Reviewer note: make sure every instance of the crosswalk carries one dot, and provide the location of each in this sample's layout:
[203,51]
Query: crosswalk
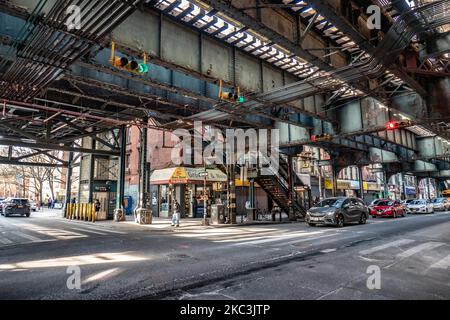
[434,254]
[25,233]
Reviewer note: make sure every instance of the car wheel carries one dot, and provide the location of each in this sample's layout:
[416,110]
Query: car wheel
[28,215]
[340,221]
[363,219]
[311,224]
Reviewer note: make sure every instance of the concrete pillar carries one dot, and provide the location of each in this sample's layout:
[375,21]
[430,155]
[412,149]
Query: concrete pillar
[143,214]
[119,213]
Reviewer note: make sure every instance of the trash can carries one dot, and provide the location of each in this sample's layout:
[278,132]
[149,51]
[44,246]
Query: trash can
[217,214]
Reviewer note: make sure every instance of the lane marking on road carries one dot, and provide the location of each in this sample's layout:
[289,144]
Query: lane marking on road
[5,241]
[442,264]
[309,239]
[27,236]
[89,231]
[386,245]
[419,248]
[328,250]
[275,238]
[85,226]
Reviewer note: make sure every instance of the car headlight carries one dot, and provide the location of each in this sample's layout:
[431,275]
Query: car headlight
[330,213]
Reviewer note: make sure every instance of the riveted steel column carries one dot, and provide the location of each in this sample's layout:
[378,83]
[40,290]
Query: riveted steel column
[335,172]
[68,182]
[231,196]
[143,214]
[361,183]
[119,214]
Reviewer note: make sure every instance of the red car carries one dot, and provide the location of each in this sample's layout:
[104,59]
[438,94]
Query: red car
[387,208]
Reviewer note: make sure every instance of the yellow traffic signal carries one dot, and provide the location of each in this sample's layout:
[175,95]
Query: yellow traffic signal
[127,64]
[322,137]
[234,96]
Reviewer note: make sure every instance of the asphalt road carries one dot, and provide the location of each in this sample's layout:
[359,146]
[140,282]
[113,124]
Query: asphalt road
[287,261]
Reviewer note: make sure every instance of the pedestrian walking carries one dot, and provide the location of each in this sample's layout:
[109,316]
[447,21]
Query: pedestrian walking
[97,205]
[176,214]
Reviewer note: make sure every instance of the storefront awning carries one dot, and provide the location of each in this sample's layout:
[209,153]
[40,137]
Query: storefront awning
[181,175]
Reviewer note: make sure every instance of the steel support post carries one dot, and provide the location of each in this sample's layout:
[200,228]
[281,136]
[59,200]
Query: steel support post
[92,171]
[429,188]
[119,213]
[402,186]
[143,214]
[416,182]
[205,221]
[68,183]
[385,181]
[361,183]
[251,197]
[231,196]
[335,172]
[291,188]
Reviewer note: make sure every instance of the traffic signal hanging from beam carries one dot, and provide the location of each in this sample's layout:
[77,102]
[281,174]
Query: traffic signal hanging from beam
[394,125]
[321,137]
[231,96]
[131,65]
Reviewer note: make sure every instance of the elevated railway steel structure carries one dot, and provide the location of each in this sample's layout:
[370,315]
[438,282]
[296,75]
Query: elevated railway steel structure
[304,67]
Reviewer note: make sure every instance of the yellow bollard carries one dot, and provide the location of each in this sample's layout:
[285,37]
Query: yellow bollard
[89,213]
[94,213]
[84,212]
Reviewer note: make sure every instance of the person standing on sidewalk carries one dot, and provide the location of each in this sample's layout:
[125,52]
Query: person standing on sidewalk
[176,214]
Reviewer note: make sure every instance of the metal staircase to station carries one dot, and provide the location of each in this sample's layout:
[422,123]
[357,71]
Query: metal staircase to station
[276,185]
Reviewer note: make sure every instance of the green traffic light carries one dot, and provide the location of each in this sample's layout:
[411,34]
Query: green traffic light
[143,68]
[241,99]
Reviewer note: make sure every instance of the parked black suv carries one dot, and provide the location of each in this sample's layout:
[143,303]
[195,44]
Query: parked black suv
[16,206]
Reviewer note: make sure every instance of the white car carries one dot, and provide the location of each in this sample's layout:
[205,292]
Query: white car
[420,206]
[440,204]
[33,206]
[58,205]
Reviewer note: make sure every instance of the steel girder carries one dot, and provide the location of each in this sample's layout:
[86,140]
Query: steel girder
[343,25]
[14,141]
